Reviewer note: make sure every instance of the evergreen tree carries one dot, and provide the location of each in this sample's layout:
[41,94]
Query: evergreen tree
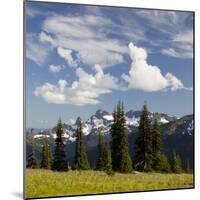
[46,162]
[32,162]
[143,156]
[104,161]
[156,146]
[115,140]
[121,160]
[100,165]
[108,160]
[60,162]
[49,157]
[80,159]
[188,170]
[164,164]
[176,163]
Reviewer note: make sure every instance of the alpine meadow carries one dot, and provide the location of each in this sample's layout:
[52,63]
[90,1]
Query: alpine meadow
[109,100]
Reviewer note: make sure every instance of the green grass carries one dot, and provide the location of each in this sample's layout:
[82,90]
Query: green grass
[43,183]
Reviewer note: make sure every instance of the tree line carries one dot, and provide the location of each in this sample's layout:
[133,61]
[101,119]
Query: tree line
[112,156]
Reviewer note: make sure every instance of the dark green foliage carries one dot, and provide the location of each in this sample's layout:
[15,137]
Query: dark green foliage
[104,161]
[114,142]
[176,163]
[143,155]
[156,146]
[108,160]
[60,162]
[164,164]
[100,165]
[121,160]
[46,162]
[80,158]
[32,162]
[188,169]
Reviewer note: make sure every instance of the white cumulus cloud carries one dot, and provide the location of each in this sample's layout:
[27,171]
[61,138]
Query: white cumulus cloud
[55,68]
[84,91]
[143,76]
[67,55]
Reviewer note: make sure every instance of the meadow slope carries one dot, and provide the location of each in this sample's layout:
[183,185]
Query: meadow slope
[44,183]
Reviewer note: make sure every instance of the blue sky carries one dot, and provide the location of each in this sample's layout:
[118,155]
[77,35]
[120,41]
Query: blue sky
[82,58]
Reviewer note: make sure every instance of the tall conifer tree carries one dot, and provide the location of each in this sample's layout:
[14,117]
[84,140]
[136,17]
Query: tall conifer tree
[32,162]
[60,162]
[100,165]
[107,159]
[80,158]
[176,163]
[164,164]
[104,160]
[114,142]
[156,146]
[143,157]
[121,160]
[46,162]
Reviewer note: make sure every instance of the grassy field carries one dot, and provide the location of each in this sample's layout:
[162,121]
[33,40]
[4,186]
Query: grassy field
[43,183]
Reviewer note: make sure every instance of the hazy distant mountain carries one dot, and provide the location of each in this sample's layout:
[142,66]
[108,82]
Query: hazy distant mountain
[177,133]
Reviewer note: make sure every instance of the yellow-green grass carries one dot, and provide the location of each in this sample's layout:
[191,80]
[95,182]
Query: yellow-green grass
[44,183]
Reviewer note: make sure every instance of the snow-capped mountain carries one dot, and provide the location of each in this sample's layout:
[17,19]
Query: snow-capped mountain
[102,121]
[177,133]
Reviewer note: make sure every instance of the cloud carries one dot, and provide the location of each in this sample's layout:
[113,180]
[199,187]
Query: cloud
[32,12]
[89,87]
[184,37]
[182,46]
[143,76]
[177,36]
[87,36]
[55,68]
[173,82]
[84,91]
[35,50]
[177,53]
[67,55]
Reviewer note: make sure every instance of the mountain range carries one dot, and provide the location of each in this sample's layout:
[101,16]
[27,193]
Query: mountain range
[177,134]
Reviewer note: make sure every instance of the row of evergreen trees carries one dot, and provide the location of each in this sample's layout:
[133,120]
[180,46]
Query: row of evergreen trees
[149,155]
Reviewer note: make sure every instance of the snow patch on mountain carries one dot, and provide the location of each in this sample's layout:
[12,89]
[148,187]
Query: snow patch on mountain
[108,117]
[190,127]
[134,121]
[163,120]
[41,136]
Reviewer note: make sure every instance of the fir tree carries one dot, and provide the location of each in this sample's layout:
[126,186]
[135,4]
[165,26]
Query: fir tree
[104,161]
[143,156]
[100,165]
[46,162]
[164,164]
[49,157]
[60,162]
[108,160]
[115,140]
[121,160]
[32,162]
[43,163]
[80,159]
[176,163]
[188,170]
[156,146]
